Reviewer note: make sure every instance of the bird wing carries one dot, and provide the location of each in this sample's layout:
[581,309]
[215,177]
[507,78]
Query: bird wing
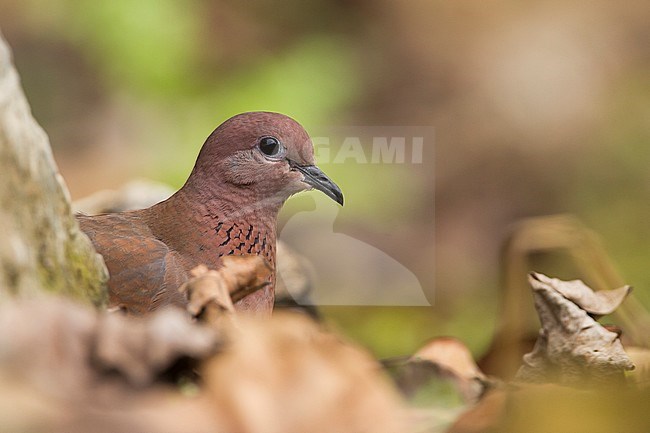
[144,272]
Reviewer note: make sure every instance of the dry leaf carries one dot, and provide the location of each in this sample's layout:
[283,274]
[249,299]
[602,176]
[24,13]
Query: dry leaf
[442,360]
[571,346]
[68,368]
[140,348]
[600,303]
[285,375]
[207,294]
[211,293]
[453,357]
[244,275]
[61,346]
[451,354]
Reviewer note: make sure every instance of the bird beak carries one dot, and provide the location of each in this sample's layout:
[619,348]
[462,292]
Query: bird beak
[315,178]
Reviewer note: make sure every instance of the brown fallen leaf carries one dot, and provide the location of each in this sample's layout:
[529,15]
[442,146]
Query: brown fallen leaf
[443,359]
[61,347]
[286,375]
[67,368]
[206,290]
[600,303]
[211,293]
[140,348]
[451,354]
[571,346]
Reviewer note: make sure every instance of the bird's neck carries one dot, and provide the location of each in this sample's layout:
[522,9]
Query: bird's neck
[228,203]
[234,202]
[207,227]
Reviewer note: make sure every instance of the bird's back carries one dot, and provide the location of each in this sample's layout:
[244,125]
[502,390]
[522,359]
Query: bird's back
[144,272]
[147,262]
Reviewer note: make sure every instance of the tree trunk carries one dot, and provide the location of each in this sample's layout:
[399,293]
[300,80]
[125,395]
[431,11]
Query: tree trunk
[41,246]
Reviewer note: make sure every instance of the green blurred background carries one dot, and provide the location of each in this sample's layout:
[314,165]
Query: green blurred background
[538,108]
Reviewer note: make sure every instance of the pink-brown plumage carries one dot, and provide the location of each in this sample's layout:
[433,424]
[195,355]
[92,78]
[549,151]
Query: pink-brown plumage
[229,205]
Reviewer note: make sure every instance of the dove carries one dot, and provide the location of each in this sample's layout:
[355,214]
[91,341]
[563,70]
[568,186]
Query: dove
[245,171]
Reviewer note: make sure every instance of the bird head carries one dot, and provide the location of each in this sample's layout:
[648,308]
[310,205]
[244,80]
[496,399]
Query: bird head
[264,156]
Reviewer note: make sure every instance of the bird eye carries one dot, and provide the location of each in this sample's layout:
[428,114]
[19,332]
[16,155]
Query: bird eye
[270,146]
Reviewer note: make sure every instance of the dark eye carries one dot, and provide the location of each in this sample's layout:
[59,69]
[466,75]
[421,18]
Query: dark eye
[270,146]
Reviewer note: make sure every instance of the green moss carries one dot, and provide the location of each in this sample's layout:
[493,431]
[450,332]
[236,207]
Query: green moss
[80,276]
[88,274]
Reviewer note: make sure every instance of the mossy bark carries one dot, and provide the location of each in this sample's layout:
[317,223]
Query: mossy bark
[41,246]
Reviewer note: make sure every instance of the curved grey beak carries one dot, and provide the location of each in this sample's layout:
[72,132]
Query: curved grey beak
[314,177]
